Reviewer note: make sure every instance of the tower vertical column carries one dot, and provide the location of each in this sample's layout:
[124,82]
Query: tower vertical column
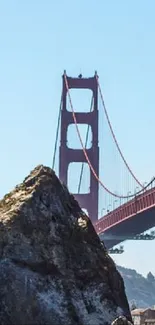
[87,201]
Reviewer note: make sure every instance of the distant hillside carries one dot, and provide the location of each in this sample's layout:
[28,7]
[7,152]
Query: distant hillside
[139,290]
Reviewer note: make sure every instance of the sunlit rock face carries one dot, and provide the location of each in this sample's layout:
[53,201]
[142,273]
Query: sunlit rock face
[53,268]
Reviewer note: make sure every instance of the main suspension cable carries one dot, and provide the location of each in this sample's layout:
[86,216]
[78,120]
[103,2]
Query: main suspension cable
[113,135]
[57,134]
[85,153]
[86,141]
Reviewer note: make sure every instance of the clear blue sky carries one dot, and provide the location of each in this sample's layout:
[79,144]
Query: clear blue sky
[38,40]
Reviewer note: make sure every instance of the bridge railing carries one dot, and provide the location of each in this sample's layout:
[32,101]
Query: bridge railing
[127,210]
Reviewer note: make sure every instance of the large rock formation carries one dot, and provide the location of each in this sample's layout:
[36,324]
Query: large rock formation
[53,268]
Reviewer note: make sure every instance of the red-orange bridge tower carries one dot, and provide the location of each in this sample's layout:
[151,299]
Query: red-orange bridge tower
[88,201]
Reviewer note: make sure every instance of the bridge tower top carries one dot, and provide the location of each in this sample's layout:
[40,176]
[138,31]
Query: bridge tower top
[88,201]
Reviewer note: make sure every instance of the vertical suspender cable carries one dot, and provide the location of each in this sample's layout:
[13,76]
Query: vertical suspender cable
[114,137]
[57,134]
[86,155]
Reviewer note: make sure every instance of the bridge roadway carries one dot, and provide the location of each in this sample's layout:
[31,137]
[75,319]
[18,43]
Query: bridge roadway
[130,219]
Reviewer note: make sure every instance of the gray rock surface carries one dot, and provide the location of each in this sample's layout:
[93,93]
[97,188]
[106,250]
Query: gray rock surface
[53,268]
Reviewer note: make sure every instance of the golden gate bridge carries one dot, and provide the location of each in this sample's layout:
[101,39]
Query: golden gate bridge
[128,215]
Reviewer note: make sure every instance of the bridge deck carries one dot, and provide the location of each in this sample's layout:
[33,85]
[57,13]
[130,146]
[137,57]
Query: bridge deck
[130,219]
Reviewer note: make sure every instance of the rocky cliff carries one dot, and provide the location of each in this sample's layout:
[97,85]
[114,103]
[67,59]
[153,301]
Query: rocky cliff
[53,268]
